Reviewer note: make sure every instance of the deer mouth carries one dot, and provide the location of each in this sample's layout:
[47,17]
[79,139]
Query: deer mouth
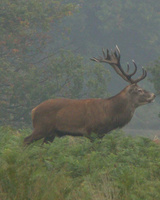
[151,99]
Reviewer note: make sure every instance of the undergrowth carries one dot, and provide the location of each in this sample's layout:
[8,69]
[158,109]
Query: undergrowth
[117,168]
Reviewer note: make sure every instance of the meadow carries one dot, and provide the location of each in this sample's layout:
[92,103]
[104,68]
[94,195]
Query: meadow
[119,167]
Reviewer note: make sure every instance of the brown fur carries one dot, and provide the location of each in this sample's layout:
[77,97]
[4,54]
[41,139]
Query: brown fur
[59,117]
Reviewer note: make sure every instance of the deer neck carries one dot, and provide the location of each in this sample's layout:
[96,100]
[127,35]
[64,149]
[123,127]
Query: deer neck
[122,109]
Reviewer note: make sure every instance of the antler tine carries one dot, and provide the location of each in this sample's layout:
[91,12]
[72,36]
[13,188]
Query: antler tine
[94,59]
[115,54]
[128,67]
[119,53]
[99,59]
[108,55]
[111,52]
[113,59]
[104,55]
[143,76]
[135,69]
[128,76]
[118,49]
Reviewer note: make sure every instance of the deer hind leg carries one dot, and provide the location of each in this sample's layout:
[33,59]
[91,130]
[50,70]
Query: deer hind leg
[36,135]
[48,139]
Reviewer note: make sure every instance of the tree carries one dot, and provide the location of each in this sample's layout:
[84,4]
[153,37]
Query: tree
[132,25]
[155,71]
[31,71]
[24,33]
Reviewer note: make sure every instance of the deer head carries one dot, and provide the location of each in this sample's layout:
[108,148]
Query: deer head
[135,94]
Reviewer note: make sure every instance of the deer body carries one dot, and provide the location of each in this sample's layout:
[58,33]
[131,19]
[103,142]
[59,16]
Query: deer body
[59,117]
[82,116]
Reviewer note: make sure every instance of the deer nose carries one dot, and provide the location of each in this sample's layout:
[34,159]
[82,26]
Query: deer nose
[153,95]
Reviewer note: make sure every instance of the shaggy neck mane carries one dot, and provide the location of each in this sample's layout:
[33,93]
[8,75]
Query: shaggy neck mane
[121,109]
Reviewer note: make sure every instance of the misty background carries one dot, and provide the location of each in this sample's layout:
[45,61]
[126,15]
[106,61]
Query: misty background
[46,46]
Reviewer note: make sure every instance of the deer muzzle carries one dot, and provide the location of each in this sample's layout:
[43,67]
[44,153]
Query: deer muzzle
[151,99]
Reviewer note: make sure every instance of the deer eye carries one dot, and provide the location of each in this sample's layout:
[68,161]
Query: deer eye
[140,90]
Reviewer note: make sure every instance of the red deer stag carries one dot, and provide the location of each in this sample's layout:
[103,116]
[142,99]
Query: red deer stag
[59,117]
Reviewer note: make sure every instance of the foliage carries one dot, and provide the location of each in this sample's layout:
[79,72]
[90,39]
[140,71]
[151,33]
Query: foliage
[29,72]
[33,33]
[65,76]
[133,25]
[118,167]
[155,71]
[24,33]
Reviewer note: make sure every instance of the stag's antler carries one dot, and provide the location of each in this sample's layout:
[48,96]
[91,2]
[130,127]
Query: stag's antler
[113,59]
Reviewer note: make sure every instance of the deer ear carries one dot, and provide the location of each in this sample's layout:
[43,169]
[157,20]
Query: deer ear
[132,88]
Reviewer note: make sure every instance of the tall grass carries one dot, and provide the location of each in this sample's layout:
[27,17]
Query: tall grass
[117,168]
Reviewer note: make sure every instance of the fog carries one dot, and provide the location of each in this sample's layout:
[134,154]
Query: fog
[134,27]
[83,28]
